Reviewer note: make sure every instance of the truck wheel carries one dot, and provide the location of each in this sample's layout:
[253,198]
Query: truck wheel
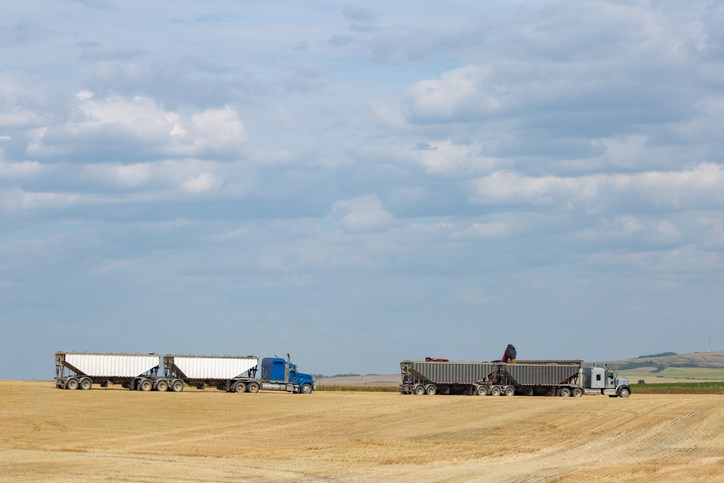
[624,392]
[509,391]
[240,387]
[145,385]
[481,391]
[431,390]
[71,384]
[495,391]
[577,392]
[564,392]
[252,387]
[85,383]
[419,390]
[307,389]
[177,386]
[162,386]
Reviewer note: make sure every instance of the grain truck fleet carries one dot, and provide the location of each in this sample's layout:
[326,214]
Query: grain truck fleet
[540,377]
[152,372]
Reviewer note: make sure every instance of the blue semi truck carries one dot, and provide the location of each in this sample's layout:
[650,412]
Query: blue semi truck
[151,372]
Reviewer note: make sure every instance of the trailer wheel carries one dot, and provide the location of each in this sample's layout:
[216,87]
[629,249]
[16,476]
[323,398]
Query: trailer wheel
[624,392]
[71,384]
[145,385]
[85,383]
[239,387]
[419,390]
[177,386]
[481,391]
[509,391]
[307,389]
[495,391]
[577,392]
[431,390]
[564,392]
[252,387]
[162,386]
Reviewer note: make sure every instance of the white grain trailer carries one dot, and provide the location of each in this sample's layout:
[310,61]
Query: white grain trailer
[226,373]
[87,368]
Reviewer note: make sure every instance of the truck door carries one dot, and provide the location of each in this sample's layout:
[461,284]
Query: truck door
[598,380]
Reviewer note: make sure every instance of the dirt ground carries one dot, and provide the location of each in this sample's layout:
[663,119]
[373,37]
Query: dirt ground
[115,434]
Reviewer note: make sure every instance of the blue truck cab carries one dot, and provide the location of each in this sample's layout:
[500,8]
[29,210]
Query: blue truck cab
[282,375]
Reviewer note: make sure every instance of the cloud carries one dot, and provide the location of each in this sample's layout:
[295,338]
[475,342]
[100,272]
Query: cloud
[460,94]
[361,214]
[698,187]
[120,129]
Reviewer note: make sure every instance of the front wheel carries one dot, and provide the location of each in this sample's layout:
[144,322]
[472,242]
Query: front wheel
[307,389]
[624,392]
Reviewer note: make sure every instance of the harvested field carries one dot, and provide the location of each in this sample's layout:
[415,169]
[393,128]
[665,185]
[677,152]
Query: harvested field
[116,434]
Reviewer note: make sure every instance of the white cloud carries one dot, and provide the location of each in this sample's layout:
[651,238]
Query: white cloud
[458,93]
[138,127]
[487,230]
[201,183]
[446,157]
[361,214]
[700,186]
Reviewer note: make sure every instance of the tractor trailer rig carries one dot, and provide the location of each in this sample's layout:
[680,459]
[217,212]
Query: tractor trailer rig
[151,372]
[534,378]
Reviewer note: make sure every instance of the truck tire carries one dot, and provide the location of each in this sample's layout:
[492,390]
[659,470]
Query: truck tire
[177,385]
[162,386]
[252,387]
[509,391]
[495,391]
[85,383]
[431,390]
[624,392]
[239,387]
[419,390]
[71,384]
[564,392]
[306,389]
[577,392]
[145,385]
[481,391]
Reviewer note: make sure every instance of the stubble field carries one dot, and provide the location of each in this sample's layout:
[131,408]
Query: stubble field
[116,434]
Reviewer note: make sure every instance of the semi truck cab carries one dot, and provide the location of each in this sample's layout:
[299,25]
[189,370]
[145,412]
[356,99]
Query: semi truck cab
[604,381]
[279,374]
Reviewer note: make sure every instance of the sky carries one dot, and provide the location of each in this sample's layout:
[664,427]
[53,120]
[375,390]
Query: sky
[357,183]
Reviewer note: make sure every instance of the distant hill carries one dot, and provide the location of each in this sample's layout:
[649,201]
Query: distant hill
[709,360]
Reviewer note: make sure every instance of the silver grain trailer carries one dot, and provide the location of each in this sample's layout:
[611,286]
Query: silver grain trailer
[560,378]
[85,369]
